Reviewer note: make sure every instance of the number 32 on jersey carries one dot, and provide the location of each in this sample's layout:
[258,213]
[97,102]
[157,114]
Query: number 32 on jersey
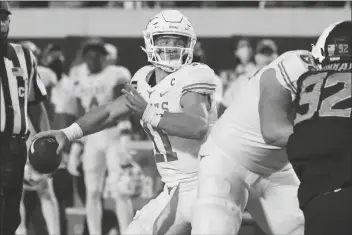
[311,93]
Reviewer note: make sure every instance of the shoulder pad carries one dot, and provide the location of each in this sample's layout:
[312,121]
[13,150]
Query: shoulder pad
[290,66]
[197,77]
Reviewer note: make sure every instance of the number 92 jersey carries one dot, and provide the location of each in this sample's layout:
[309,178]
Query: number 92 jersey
[323,108]
[175,157]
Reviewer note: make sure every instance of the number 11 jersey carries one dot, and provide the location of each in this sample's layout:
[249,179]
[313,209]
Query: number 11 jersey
[175,157]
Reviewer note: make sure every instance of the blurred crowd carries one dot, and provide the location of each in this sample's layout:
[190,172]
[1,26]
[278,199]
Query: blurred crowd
[169,4]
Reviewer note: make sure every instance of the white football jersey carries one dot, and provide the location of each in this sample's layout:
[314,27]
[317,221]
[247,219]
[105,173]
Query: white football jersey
[175,157]
[93,90]
[62,97]
[98,89]
[238,130]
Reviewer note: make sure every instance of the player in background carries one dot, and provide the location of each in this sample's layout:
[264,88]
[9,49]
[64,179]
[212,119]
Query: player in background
[123,183]
[62,107]
[174,100]
[48,76]
[319,143]
[239,169]
[34,181]
[265,53]
[98,84]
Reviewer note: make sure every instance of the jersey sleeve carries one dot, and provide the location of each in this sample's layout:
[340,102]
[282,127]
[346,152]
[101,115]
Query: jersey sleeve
[37,92]
[64,102]
[291,67]
[199,78]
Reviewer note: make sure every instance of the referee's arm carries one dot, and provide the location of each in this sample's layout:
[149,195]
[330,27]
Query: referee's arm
[36,110]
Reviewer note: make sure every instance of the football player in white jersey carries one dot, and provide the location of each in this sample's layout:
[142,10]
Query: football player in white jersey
[34,181]
[174,99]
[239,169]
[98,83]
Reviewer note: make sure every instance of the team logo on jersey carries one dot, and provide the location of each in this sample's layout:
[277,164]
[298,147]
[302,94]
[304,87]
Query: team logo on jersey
[163,93]
[150,93]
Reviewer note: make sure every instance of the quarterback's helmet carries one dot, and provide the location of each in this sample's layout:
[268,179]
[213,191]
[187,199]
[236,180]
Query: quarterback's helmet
[169,22]
[334,44]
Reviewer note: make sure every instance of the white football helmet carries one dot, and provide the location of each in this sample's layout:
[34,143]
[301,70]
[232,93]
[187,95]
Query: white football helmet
[169,22]
[318,49]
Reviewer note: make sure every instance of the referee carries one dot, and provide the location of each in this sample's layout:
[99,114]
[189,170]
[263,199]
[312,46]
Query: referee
[21,93]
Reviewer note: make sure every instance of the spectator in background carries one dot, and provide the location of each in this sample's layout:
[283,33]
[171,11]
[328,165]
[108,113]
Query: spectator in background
[244,55]
[244,68]
[199,57]
[244,63]
[265,53]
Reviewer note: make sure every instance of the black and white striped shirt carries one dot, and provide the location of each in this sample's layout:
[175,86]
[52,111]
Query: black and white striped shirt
[20,85]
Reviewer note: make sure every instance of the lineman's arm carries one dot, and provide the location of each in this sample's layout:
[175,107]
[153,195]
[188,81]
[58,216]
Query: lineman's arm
[275,110]
[193,122]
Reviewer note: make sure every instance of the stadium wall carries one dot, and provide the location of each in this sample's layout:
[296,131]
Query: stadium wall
[218,29]
[59,23]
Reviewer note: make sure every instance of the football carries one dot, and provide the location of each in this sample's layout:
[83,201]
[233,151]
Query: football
[42,155]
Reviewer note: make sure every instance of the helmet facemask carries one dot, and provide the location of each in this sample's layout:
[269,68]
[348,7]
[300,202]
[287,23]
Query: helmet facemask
[168,58]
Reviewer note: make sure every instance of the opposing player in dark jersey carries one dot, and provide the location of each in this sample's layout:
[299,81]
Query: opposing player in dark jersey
[320,146]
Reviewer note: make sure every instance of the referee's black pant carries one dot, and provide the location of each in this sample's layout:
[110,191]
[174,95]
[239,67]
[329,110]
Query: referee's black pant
[13,154]
[325,193]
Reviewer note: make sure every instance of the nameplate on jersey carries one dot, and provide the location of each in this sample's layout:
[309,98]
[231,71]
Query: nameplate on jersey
[18,72]
[338,67]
